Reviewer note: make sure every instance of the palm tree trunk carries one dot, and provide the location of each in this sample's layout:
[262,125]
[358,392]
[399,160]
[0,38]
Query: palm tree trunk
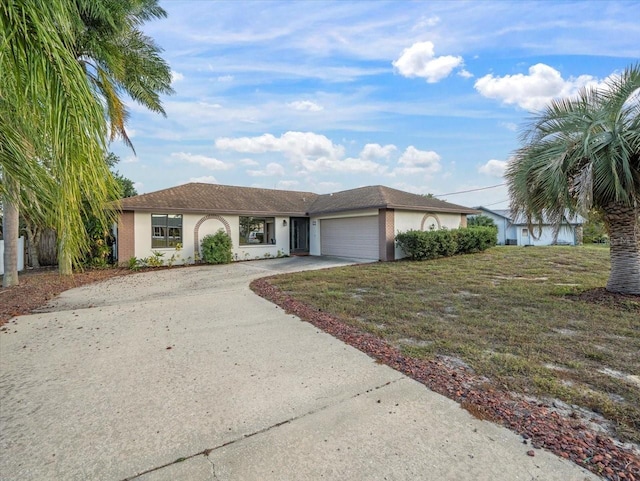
[10,230]
[65,264]
[33,237]
[623,225]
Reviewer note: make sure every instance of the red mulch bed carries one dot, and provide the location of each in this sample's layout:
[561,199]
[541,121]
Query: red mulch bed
[600,295]
[39,286]
[537,423]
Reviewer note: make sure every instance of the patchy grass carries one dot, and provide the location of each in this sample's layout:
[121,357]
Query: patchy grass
[514,315]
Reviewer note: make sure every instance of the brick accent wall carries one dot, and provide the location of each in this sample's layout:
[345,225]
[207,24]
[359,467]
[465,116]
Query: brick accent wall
[386,233]
[126,237]
[463,220]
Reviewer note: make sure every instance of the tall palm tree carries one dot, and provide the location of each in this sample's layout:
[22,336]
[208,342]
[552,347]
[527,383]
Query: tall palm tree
[48,115]
[103,42]
[582,153]
[118,58]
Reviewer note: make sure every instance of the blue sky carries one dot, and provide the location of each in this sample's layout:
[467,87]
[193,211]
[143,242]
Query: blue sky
[318,96]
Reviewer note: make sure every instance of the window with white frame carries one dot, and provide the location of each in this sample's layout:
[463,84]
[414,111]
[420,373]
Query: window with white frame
[257,230]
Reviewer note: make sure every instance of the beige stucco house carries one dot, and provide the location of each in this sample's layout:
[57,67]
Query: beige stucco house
[358,223]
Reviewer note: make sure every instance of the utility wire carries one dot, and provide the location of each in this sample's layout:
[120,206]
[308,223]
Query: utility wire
[495,203]
[471,190]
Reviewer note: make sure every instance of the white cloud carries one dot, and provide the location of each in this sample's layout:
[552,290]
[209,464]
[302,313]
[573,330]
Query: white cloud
[426,22]
[225,78]
[207,162]
[414,161]
[414,189]
[327,187]
[419,60]
[347,166]
[464,73]
[535,90]
[296,145]
[248,162]
[271,169]
[176,76]
[206,179]
[494,168]
[130,159]
[139,186]
[287,184]
[207,105]
[377,151]
[509,126]
[305,105]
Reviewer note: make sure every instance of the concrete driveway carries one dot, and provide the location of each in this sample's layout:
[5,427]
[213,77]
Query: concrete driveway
[185,374]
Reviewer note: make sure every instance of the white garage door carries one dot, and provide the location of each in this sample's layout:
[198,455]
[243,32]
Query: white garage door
[355,237]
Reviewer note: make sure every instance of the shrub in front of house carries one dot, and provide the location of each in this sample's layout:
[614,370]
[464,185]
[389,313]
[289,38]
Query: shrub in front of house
[423,245]
[216,248]
[475,239]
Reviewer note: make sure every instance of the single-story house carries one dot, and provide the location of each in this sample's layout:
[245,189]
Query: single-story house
[358,223]
[515,230]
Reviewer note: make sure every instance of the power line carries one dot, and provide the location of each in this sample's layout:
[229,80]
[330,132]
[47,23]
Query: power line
[495,203]
[471,190]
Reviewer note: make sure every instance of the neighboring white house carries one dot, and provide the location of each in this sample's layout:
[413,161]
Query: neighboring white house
[358,223]
[20,255]
[514,230]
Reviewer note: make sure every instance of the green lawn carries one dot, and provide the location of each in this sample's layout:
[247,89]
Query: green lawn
[511,313]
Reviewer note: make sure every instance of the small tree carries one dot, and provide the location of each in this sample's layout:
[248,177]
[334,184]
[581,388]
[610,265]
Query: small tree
[594,230]
[582,154]
[481,221]
[216,248]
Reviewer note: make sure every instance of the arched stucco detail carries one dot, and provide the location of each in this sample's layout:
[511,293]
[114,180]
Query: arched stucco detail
[426,216]
[196,243]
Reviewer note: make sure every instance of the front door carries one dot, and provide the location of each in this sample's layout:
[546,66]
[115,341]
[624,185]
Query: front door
[299,235]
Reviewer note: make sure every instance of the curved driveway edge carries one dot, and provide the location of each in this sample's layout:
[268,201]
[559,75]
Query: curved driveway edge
[186,374]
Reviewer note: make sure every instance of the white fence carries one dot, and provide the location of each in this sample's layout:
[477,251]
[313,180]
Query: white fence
[20,255]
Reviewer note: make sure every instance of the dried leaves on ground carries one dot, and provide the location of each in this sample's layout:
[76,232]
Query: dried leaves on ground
[39,286]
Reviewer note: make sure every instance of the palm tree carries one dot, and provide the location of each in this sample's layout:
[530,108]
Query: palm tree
[583,153]
[117,57]
[101,38]
[48,115]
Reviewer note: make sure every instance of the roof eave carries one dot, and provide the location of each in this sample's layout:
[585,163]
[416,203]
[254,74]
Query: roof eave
[397,206]
[173,210]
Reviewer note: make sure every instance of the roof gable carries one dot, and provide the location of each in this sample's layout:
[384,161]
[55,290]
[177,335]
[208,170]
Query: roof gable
[381,197]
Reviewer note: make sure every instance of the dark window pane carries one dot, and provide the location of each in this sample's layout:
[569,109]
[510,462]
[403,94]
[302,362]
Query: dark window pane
[166,230]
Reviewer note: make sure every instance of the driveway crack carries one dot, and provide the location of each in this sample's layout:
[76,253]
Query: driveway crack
[207,452]
[214,476]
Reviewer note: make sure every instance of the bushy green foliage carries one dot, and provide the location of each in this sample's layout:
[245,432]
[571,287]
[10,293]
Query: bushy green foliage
[475,239]
[480,220]
[423,245]
[216,248]
[594,231]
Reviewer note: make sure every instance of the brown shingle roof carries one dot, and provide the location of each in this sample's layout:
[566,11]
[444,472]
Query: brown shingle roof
[208,198]
[198,197]
[381,197]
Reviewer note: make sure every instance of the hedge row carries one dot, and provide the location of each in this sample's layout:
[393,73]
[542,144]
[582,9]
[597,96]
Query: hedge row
[421,245]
